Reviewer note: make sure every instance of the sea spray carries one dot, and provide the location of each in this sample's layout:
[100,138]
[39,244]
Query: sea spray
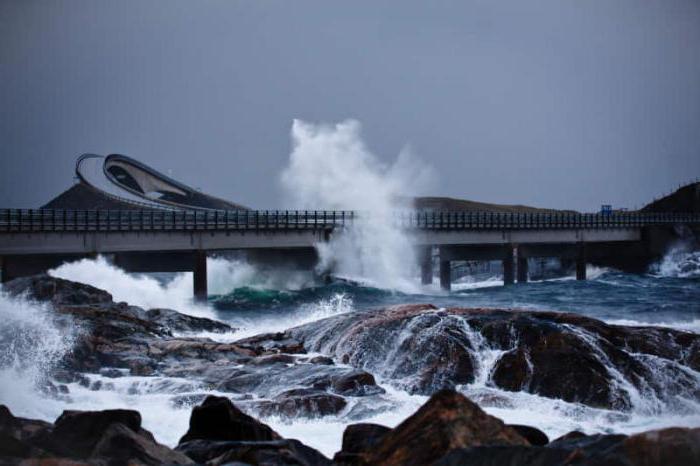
[680,262]
[331,168]
[32,342]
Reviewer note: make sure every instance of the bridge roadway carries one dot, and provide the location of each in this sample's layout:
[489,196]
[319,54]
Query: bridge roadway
[150,240]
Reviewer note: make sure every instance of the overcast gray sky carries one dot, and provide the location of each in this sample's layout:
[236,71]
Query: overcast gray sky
[555,103]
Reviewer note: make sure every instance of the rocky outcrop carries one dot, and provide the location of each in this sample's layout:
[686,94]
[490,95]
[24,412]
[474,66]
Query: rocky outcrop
[220,433]
[575,358]
[446,422]
[219,419]
[97,437]
[115,339]
[447,430]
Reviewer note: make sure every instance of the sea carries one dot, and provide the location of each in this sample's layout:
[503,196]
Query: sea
[256,301]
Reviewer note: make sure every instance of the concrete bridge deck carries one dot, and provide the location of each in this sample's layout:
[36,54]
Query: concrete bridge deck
[44,237]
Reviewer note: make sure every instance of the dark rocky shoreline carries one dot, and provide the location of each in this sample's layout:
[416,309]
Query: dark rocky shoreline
[556,355]
[448,429]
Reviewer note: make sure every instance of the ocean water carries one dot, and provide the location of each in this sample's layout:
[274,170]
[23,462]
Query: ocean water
[254,301]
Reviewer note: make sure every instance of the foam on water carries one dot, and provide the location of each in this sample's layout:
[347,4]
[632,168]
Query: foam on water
[32,341]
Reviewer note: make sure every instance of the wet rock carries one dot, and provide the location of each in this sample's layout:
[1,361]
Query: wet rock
[567,356]
[324,360]
[122,445]
[56,290]
[271,343]
[355,383]
[219,419]
[271,452]
[509,456]
[273,359]
[662,447]
[304,402]
[533,435]
[111,372]
[97,437]
[177,322]
[359,439]
[76,433]
[446,422]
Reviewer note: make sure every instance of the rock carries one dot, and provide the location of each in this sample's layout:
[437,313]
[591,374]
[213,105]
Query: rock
[667,447]
[122,445]
[422,349]
[355,383]
[447,421]
[533,435]
[97,437]
[324,360]
[673,446]
[357,440]
[177,322]
[305,402]
[56,290]
[509,456]
[76,433]
[219,419]
[274,452]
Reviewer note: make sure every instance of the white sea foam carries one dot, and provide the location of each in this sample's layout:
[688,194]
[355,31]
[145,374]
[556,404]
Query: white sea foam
[330,167]
[32,341]
[679,262]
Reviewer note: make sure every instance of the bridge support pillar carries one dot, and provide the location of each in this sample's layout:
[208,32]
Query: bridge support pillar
[581,263]
[508,267]
[426,265]
[445,275]
[199,275]
[522,268]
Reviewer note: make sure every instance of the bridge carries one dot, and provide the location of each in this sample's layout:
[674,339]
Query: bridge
[150,240]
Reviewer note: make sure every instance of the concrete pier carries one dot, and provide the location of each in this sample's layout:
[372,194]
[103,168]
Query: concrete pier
[581,263]
[508,269]
[425,257]
[199,275]
[445,275]
[522,268]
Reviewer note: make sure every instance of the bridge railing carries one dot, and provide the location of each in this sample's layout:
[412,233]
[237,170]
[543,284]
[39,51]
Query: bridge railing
[44,220]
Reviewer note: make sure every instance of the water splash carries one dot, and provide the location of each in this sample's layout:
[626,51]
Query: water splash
[679,262]
[32,342]
[330,167]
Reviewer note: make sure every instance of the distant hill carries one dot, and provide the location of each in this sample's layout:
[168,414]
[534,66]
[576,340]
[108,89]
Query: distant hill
[685,199]
[448,203]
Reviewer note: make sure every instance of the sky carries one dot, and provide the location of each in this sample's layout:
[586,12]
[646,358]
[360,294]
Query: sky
[557,103]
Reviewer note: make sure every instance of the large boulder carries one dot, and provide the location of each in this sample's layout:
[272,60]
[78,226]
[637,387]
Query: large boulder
[447,421]
[96,437]
[667,447]
[44,287]
[358,440]
[217,418]
[579,359]
[271,452]
[303,402]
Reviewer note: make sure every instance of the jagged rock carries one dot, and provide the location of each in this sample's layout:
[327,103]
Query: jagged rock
[355,383]
[272,452]
[667,447]
[533,435]
[219,419]
[447,421]
[46,288]
[357,440]
[324,360]
[98,437]
[306,402]
[422,349]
